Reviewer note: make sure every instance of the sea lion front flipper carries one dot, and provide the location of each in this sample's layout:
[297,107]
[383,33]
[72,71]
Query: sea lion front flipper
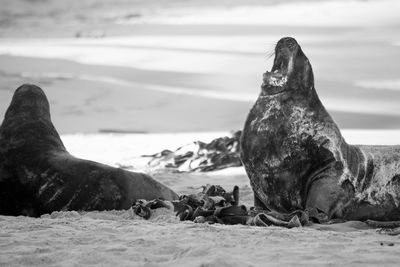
[258,204]
[327,196]
[317,216]
[302,215]
[259,220]
[263,219]
[294,222]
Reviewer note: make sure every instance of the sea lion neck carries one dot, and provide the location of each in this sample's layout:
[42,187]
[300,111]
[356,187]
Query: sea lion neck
[27,124]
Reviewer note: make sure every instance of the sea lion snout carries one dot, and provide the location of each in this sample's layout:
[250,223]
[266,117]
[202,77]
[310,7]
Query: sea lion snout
[286,43]
[291,70]
[285,53]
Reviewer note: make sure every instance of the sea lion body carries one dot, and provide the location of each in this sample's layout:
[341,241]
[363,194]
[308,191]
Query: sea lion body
[38,175]
[296,157]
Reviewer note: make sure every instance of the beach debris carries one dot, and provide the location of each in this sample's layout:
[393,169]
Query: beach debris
[124,166]
[389,231]
[142,207]
[215,205]
[95,34]
[198,156]
[388,227]
[389,244]
[385,225]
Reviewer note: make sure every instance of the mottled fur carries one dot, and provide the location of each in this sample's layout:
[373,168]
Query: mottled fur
[296,157]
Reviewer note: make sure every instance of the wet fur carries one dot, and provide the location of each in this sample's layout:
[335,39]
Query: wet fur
[296,157]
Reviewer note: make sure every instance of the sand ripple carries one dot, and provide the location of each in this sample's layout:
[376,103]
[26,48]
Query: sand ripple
[123,239]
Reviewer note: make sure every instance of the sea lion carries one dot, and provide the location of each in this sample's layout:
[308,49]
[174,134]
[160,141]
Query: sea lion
[38,175]
[296,157]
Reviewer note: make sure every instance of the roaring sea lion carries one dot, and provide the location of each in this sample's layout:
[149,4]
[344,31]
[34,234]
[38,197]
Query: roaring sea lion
[296,157]
[38,175]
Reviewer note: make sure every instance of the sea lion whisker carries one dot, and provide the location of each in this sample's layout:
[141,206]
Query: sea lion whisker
[270,53]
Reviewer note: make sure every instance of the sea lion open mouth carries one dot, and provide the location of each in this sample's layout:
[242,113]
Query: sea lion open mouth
[275,81]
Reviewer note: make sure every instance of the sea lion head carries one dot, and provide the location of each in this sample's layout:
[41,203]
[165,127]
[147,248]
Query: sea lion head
[27,123]
[291,70]
[29,100]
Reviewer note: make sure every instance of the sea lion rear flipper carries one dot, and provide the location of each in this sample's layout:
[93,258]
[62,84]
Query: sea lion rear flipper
[263,219]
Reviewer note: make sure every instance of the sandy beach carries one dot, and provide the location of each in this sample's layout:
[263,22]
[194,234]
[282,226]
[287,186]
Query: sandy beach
[116,238]
[131,78]
[124,239]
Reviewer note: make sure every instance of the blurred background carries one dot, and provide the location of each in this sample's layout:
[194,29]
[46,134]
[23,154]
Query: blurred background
[192,66]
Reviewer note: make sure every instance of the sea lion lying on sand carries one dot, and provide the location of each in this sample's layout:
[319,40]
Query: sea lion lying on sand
[297,159]
[38,175]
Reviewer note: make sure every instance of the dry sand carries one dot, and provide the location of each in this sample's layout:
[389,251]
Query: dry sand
[121,239]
